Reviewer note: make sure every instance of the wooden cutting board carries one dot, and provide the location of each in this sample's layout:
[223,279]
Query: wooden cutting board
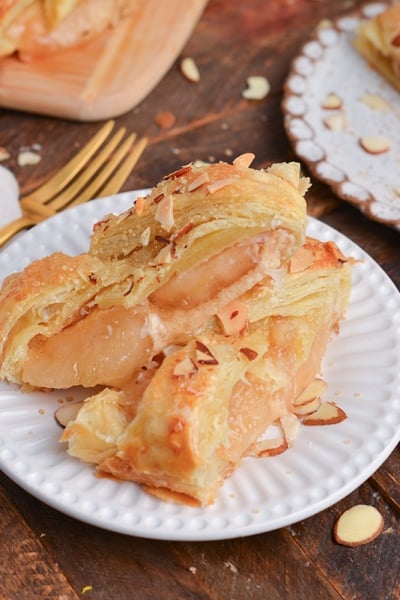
[110,75]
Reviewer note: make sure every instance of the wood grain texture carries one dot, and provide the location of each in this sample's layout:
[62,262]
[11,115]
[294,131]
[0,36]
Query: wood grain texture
[26,570]
[232,40]
[109,75]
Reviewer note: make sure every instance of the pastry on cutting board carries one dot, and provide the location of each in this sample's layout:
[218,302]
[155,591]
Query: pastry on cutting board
[39,28]
[152,275]
[378,41]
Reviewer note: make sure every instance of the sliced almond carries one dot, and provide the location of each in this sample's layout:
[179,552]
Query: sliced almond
[358,525]
[139,206]
[328,413]
[337,122]
[177,174]
[307,408]
[314,390]
[145,237]
[165,213]
[199,181]
[204,356]
[244,160]
[28,158]
[375,144]
[249,353]
[375,102]
[233,317]
[190,70]
[269,447]
[219,184]
[290,425]
[185,368]
[258,87]
[332,101]
[67,413]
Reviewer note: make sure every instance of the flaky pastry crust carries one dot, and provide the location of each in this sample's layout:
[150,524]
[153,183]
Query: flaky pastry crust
[182,426]
[203,312]
[151,275]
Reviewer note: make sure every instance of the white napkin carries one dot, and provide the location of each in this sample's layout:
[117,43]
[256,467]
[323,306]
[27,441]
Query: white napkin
[10,208]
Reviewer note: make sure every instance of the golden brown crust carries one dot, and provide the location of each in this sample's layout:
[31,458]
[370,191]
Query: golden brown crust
[378,41]
[167,282]
[204,312]
[205,406]
[198,201]
[5,9]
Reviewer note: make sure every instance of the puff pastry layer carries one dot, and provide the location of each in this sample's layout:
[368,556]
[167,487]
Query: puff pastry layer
[203,312]
[152,275]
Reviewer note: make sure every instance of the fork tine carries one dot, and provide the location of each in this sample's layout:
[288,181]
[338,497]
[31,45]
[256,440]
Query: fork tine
[67,173]
[115,183]
[120,176]
[69,193]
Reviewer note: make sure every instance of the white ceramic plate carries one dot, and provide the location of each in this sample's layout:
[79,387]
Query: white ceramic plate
[329,64]
[362,369]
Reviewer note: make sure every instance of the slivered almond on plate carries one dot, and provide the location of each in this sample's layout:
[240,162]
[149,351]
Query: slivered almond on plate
[375,144]
[332,101]
[269,447]
[67,413]
[290,425]
[307,408]
[336,122]
[328,413]
[315,389]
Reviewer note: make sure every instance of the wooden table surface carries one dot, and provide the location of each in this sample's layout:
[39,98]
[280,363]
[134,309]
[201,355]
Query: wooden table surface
[47,555]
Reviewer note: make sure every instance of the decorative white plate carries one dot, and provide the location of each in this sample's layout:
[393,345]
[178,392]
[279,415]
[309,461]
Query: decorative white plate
[328,140]
[362,369]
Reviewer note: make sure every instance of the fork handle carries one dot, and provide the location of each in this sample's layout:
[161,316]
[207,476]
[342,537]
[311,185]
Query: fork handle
[7,232]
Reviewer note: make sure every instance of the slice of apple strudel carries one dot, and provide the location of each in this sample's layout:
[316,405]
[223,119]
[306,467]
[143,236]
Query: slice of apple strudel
[185,421]
[201,238]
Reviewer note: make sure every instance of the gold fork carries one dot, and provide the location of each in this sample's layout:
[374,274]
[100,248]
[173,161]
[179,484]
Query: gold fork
[81,179]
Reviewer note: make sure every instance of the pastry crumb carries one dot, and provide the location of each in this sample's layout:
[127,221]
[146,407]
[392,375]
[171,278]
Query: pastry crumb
[190,70]
[258,87]
[86,588]
[165,120]
[230,566]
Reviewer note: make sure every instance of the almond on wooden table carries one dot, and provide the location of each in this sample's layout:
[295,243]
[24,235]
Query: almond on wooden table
[358,525]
